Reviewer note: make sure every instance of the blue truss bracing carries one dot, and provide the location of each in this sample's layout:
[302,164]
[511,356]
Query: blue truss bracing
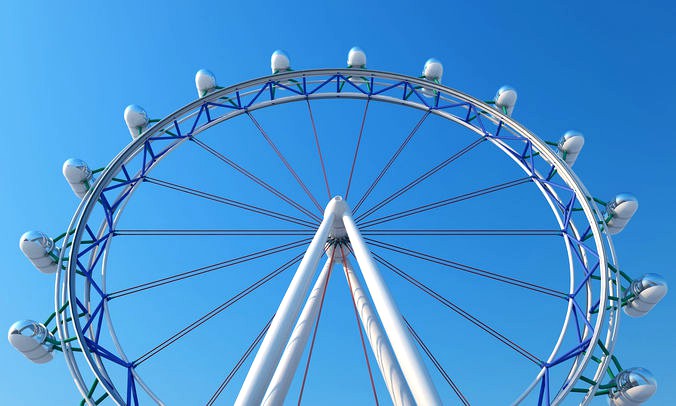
[94,244]
[569,211]
[101,244]
[131,388]
[121,184]
[92,317]
[90,233]
[586,278]
[253,100]
[574,352]
[106,354]
[165,135]
[577,308]
[220,105]
[577,327]
[353,86]
[565,203]
[544,397]
[178,129]
[500,127]
[595,307]
[582,245]
[83,271]
[281,85]
[132,395]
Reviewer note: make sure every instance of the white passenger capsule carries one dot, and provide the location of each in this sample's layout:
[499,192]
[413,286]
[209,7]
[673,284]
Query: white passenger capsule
[279,62]
[620,211]
[40,250]
[505,99]
[634,386]
[644,293]
[78,175]
[137,120]
[30,338]
[205,81]
[356,58]
[432,71]
[570,146]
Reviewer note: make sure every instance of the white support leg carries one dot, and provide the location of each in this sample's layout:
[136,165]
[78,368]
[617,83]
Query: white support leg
[268,355]
[387,362]
[412,366]
[286,370]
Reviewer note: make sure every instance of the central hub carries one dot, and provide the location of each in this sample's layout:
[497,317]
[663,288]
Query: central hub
[338,207]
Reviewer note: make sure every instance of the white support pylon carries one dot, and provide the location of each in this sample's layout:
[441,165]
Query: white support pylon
[264,364]
[337,221]
[380,345]
[281,380]
[417,376]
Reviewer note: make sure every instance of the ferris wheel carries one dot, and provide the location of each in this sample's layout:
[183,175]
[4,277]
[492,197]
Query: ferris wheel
[445,239]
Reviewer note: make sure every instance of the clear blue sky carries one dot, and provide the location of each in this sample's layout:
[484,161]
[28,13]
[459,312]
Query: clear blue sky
[68,71]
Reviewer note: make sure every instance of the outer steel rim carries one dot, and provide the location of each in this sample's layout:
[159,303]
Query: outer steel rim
[65,290]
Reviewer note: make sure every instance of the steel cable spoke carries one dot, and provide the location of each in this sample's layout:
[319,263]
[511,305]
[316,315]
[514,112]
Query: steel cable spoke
[461,232]
[230,202]
[239,363]
[421,178]
[211,232]
[319,149]
[217,310]
[457,309]
[356,149]
[285,162]
[390,162]
[444,202]
[256,179]
[468,269]
[436,363]
[209,268]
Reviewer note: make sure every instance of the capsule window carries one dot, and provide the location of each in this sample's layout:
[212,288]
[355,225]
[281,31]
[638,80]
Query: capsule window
[29,331]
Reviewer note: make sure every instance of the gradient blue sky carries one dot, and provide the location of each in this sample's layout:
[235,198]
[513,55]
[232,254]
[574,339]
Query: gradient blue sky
[68,70]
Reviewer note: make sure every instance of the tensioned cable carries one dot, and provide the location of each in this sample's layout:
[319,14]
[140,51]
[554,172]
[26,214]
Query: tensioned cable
[215,311]
[356,150]
[460,232]
[206,269]
[457,309]
[468,269]
[230,202]
[213,232]
[314,334]
[359,327]
[256,179]
[239,364]
[390,162]
[285,162]
[436,363]
[421,178]
[444,202]
[319,149]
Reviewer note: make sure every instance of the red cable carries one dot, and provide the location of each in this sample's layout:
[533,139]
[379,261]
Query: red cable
[285,162]
[356,151]
[319,150]
[390,162]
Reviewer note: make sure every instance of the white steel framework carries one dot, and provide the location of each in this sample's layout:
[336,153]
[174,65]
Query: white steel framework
[601,318]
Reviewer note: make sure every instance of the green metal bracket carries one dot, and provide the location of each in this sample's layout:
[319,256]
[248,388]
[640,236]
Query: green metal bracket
[91,393]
